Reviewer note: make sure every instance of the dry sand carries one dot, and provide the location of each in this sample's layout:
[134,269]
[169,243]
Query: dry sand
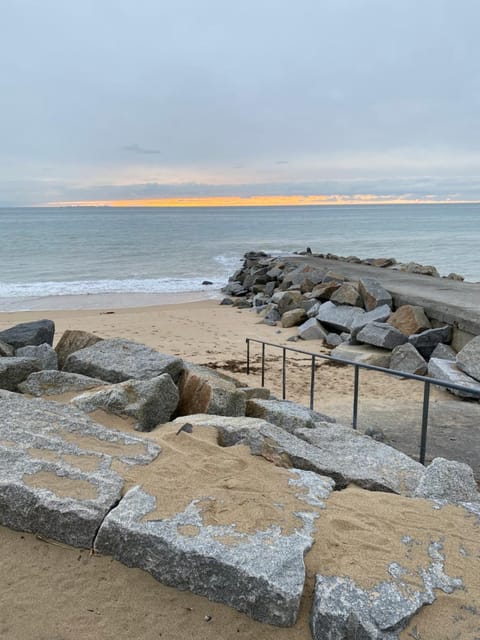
[50,591]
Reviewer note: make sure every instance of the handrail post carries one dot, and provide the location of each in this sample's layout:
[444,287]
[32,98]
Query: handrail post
[312,382]
[248,356]
[423,440]
[263,364]
[284,373]
[355,397]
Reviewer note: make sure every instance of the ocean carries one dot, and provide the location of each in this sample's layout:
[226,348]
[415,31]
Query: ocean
[55,252]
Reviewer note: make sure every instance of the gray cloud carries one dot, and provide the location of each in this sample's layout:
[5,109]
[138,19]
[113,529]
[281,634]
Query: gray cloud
[362,94]
[136,148]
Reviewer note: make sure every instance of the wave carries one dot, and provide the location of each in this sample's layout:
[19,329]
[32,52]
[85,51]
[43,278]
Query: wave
[130,285]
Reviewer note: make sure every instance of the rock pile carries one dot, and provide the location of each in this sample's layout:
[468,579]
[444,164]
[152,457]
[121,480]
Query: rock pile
[65,476]
[356,318]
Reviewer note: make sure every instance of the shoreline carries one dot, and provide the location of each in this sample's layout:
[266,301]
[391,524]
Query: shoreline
[103,301]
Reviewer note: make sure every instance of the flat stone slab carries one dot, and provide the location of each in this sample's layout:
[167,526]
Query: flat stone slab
[364,354]
[55,469]
[342,609]
[50,383]
[448,371]
[285,414]
[381,334]
[118,360]
[261,574]
[329,449]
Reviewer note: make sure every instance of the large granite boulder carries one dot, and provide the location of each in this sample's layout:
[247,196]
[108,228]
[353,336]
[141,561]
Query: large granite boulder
[348,294]
[293,318]
[381,334]
[468,359]
[379,314]
[328,449]
[288,300]
[405,358]
[448,481]
[260,573]
[373,294]
[426,341]
[118,360]
[363,354]
[312,330]
[338,317]
[409,319]
[51,383]
[15,370]
[151,402]
[448,371]
[55,469]
[29,333]
[285,414]
[73,340]
[44,353]
[325,290]
[203,390]
[444,351]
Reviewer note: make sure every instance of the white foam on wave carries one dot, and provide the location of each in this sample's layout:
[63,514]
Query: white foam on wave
[130,285]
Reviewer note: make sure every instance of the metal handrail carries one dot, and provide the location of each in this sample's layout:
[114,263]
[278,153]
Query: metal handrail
[357,366]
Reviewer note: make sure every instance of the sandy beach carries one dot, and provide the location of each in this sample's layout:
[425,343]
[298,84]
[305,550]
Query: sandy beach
[50,591]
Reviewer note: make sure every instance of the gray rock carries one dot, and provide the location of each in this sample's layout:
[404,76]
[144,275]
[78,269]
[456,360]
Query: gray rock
[41,508]
[118,360]
[333,340]
[44,353]
[379,314]
[337,451]
[45,451]
[71,341]
[343,610]
[235,289]
[448,480]
[226,301]
[381,334]
[285,414]
[6,350]
[468,359]
[444,352]
[15,370]
[203,390]
[293,318]
[50,383]
[422,269]
[373,294]
[348,294]
[364,354]
[405,358]
[312,330]
[313,311]
[261,574]
[426,341]
[449,372]
[29,333]
[150,402]
[339,317]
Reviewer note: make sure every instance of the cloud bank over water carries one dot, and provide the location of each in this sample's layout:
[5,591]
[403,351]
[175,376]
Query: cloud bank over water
[128,100]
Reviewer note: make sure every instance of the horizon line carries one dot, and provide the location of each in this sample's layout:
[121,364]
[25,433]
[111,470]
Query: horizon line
[252,201]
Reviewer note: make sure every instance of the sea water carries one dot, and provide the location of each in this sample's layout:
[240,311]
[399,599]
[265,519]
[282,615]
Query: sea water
[109,250]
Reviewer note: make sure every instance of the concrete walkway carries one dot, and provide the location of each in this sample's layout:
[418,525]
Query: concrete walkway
[446,301]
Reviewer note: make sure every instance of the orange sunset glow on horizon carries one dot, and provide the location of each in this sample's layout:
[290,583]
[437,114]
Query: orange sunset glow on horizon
[258,201]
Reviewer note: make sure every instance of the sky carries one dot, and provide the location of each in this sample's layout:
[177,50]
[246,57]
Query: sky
[335,100]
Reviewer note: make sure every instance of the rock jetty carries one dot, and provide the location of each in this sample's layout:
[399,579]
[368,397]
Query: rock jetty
[356,317]
[176,501]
